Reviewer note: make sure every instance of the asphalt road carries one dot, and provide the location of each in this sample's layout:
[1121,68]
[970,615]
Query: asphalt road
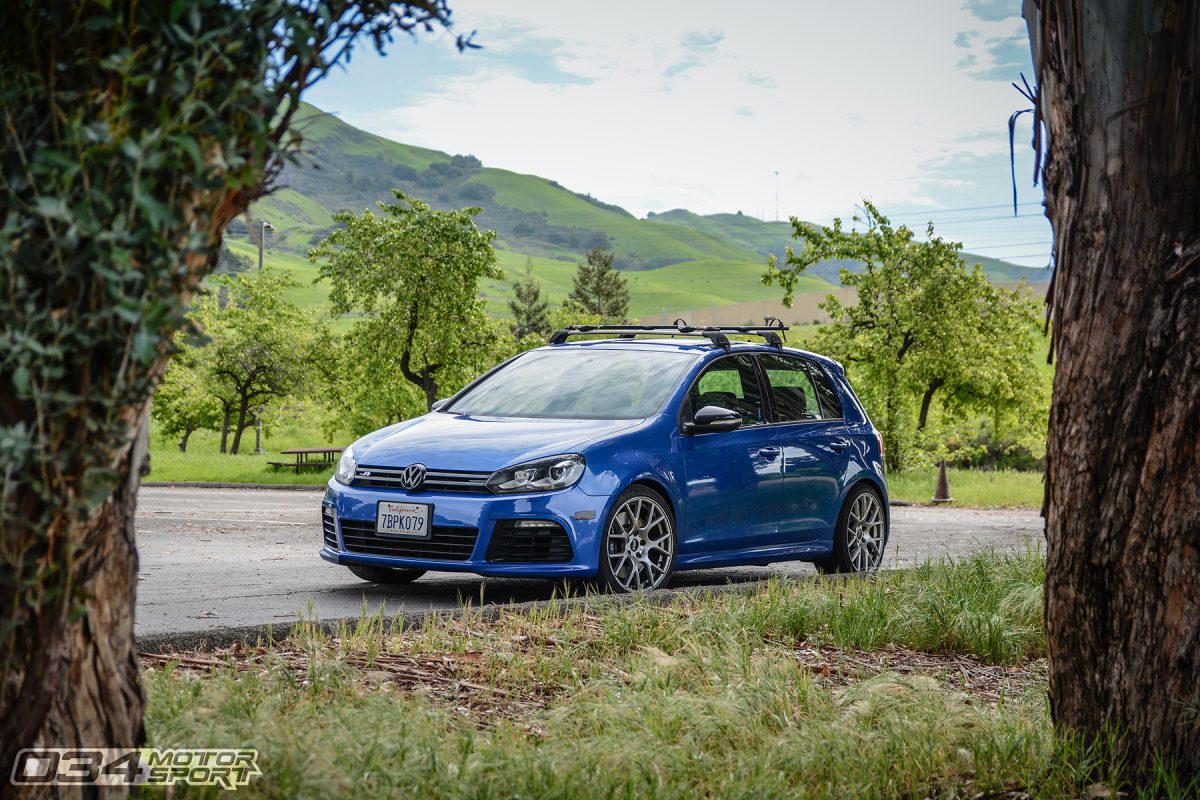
[219,558]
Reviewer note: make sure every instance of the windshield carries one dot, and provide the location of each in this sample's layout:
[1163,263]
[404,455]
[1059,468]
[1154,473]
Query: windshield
[578,384]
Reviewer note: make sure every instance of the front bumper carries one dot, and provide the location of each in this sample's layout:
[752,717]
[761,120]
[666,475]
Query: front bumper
[570,508]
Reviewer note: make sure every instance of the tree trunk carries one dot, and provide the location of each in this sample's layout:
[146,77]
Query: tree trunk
[82,687]
[187,434]
[429,386]
[225,428]
[926,399]
[1119,91]
[241,426]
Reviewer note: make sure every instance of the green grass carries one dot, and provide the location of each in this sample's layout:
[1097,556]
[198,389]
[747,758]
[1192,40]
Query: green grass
[694,284]
[204,462]
[732,695]
[970,488]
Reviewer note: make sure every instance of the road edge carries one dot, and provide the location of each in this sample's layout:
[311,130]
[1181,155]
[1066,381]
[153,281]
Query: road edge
[268,634]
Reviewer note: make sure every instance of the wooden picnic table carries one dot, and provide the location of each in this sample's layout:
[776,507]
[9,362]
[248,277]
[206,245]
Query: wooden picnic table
[308,458]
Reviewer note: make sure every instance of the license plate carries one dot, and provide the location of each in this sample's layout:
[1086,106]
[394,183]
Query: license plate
[403,519]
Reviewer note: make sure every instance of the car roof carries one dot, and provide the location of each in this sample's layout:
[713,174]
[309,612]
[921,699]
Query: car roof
[685,345]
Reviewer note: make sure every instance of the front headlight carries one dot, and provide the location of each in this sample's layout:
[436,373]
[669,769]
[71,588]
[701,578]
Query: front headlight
[346,466]
[542,475]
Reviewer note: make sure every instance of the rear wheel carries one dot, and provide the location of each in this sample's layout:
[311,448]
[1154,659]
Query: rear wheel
[638,551]
[391,575]
[860,536]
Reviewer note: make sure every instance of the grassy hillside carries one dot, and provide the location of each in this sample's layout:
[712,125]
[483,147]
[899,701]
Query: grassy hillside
[673,289]
[772,238]
[674,261]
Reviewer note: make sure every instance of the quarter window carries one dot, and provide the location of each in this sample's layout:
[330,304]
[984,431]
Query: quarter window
[831,406]
[730,383]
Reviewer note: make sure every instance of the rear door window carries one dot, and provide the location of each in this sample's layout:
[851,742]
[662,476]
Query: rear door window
[799,390]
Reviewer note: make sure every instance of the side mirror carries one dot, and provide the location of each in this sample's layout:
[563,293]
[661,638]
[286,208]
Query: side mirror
[712,419]
[438,405]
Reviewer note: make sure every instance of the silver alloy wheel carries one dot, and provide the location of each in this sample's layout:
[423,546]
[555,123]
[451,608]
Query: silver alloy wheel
[865,533]
[640,544]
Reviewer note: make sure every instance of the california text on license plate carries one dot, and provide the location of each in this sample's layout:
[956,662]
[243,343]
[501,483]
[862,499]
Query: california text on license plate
[402,519]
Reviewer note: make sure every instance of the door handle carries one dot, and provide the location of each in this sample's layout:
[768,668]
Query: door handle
[839,445]
[768,451]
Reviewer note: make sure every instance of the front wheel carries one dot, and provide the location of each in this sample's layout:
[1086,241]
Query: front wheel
[860,536]
[638,551]
[393,575]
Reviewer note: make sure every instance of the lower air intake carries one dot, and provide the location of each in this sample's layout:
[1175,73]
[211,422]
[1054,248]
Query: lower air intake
[520,542]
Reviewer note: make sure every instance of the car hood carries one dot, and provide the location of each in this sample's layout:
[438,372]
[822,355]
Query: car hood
[479,444]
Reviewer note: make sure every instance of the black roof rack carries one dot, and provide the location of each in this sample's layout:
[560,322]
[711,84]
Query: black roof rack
[717,334]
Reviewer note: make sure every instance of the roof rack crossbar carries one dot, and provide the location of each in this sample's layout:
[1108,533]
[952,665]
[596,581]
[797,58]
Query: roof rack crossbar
[717,334]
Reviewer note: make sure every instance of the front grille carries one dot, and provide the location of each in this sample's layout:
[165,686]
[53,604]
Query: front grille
[328,528]
[547,543]
[445,543]
[435,480]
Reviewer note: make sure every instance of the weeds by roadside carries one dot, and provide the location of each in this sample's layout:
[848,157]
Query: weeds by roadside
[909,684]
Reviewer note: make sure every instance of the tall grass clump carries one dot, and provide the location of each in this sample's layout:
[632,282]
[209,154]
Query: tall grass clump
[707,695]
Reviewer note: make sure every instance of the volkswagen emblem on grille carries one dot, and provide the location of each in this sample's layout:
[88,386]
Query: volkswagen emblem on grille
[412,476]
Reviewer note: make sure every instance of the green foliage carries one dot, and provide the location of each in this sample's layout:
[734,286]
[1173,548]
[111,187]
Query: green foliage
[184,401]
[364,383]
[924,329]
[599,289]
[414,273]
[530,312]
[261,347]
[133,132]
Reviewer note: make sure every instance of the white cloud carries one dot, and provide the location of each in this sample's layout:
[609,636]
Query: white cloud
[684,104]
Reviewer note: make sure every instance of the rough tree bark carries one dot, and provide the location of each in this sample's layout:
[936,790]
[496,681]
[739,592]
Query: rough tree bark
[110,204]
[1119,93]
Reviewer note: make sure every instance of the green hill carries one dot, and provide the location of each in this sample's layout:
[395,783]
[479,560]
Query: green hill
[772,238]
[675,261]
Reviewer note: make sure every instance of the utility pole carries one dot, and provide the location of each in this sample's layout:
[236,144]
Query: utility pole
[262,240]
[777,203]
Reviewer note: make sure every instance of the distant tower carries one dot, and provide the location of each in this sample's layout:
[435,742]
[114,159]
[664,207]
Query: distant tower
[777,195]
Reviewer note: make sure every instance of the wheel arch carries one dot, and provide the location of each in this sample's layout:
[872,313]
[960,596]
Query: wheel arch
[871,480]
[655,485]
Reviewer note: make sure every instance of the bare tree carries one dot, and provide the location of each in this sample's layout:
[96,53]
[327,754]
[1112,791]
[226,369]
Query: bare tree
[1119,93]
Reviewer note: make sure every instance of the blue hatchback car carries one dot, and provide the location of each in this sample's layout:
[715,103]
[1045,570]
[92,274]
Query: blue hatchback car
[621,458]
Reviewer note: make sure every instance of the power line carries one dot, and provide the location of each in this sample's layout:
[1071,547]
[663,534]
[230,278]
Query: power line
[949,210]
[1043,254]
[957,210]
[987,219]
[1008,244]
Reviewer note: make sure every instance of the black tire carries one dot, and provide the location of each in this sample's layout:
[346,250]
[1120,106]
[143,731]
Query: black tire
[643,565]
[390,575]
[847,559]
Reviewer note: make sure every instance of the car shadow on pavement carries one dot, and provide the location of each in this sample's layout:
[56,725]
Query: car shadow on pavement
[446,591]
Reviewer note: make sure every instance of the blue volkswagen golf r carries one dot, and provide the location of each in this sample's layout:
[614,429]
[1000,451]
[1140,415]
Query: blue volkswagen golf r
[624,459]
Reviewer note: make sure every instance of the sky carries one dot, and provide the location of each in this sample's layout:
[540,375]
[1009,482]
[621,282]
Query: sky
[722,107]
